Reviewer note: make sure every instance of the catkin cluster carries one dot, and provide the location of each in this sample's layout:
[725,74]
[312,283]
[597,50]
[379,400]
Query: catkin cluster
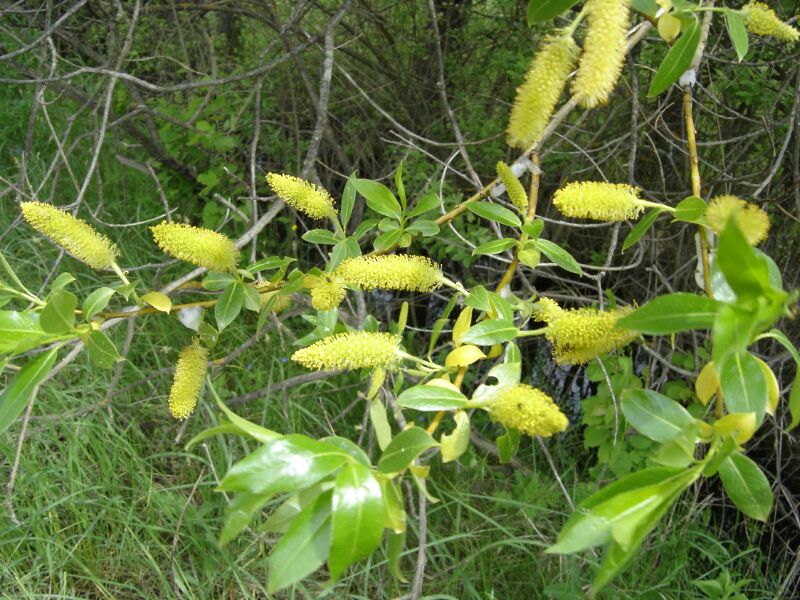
[760,19]
[604,51]
[327,293]
[302,195]
[751,219]
[198,246]
[514,188]
[393,272]
[537,96]
[527,409]
[75,235]
[354,350]
[599,201]
[189,374]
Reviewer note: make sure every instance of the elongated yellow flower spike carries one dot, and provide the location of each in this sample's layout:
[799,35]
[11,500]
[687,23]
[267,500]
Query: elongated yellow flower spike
[302,195]
[603,51]
[527,409]
[327,294]
[537,96]
[354,350]
[514,188]
[599,201]
[581,334]
[751,219]
[280,304]
[189,374]
[760,19]
[198,246]
[74,235]
[392,272]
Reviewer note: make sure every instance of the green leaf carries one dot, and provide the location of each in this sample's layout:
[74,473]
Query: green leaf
[304,547]
[559,256]
[229,305]
[654,415]
[379,198]
[642,227]
[239,514]
[257,432]
[508,444]
[388,239]
[533,228]
[358,518]
[737,32]
[398,183]
[380,423]
[747,486]
[544,10]
[348,200]
[488,333]
[62,281]
[746,272]
[221,429]
[58,315]
[494,212]
[733,331]
[673,313]
[426,203]
[96,302]
[454,444]
[423,227]
[215,282]
[431,397]
[158,300]
[320,236]
[19,331]
[646,7]
[743,384]
[15,397]
[677,60]
[794,401]
[348,447]
[265,264]
[495,246]
[284,465]
[691,210]
[404,448]
[394,513]
[395,543]
[102,351]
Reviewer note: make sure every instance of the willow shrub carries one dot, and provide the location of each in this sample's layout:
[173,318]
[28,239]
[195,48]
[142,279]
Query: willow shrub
[338,506]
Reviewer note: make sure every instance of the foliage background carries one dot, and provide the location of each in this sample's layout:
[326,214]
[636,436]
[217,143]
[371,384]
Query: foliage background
[184,106]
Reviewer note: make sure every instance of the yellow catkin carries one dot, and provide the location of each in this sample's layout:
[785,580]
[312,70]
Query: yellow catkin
[393,272]
[603,51]
[527,409]
[760,19]
[354,350]
[751,219]
[514,188]
[581,334]
[198,246]
[327,293]
[599,201]
[281,303]
[537,96]
[302,195]
[546,309]
[189,375]
[74,235]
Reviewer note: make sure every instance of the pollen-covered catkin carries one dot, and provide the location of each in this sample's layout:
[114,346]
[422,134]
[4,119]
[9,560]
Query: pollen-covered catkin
[604,51]
[514,188]
[327,294]
[74,235]
[189,374]
[760,19]
[302,195]
[537,96]
[354,350]
[581,334]
[751,219]
[527,409]
[401,272]
[599,201]
[198,246]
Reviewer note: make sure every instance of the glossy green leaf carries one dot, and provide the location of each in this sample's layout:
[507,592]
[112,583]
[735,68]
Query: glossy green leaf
[494,212]
[490,332]
[646,7]
[747,486]
[746,272]
[544,10]
[15,397]
[394,513]
[379,198]
[348,200]
[559,256]
[533,228]
[304,547]
[677,60]
[320,236]
[58,315]
[737,32]
[239,514]
[395,543]
[221,429]
[101,350]
[257,432]
[642,227]
[495,246]
[733,331]
[380,423]
[19,330]
[284,465]
[654,415]
[229,305]
[455,443]
[358,517]
[265,264]
[673,313]
[426,203]
[691,210]
[423,227]
[348,447]
[96,302]
[388,239]
[214,282]
[507,445]
[404,448]
[743,384]
[431,397]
